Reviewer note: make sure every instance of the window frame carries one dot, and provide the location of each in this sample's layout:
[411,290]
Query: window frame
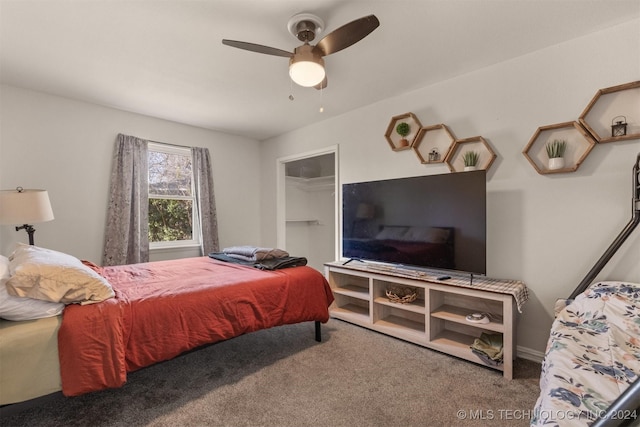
[195,226]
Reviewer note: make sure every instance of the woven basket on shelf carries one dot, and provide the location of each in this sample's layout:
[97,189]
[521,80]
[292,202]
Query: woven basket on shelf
[401,294]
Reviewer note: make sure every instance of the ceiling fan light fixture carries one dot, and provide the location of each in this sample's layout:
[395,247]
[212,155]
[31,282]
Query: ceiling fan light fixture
[306,63]
[306,68]
[306,73]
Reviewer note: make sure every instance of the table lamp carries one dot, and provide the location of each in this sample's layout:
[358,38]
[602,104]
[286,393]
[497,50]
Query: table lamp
[21,206]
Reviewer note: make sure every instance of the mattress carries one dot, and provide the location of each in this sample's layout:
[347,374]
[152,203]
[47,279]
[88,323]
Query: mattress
[29,365]
[593,355]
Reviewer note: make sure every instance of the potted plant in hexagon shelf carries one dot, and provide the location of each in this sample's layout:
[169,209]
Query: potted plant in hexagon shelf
[470,159]
[555,152]
[403,130]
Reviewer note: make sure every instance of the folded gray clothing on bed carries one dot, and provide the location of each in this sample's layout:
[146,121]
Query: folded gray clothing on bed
[253,253]
[266,264]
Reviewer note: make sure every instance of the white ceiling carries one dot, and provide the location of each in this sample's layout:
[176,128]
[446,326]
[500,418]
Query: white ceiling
[165,58]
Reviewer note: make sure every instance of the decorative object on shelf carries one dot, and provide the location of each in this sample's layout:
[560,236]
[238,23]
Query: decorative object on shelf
[477,318]
[403,130]
[579,144]
[616,101]
[431,141]
[401,294]
[489,348]
[406,123]
[21,206]
[470,159]
[555,152]
[619,128]
[455,157]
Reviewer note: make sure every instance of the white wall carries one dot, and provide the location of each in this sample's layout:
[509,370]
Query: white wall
[546,230]
[66,147]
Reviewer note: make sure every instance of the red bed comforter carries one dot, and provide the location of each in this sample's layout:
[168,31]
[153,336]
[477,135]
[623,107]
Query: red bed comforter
[162,309]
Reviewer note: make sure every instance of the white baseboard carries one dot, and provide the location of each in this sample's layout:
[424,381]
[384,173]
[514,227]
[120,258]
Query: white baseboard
[529,354]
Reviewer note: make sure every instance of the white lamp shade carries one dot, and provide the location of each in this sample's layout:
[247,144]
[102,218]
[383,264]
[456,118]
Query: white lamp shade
[306,73]
[24,206]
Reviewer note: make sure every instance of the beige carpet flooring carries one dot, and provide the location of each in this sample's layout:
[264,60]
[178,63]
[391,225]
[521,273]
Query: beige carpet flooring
[282,377]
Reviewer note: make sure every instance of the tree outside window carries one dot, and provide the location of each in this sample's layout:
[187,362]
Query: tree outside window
[172,211]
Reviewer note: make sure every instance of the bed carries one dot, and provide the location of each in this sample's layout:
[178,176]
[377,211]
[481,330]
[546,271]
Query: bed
[592,356]
[591,368]
[158,311]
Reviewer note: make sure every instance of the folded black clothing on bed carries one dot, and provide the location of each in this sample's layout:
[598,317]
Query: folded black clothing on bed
[265,264]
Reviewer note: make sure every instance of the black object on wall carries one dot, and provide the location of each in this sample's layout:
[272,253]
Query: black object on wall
[624,234]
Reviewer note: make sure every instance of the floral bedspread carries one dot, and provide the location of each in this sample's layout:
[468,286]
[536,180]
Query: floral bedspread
[592,356]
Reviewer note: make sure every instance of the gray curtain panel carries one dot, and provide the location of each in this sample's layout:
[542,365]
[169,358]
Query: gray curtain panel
[127,229]
[206,205]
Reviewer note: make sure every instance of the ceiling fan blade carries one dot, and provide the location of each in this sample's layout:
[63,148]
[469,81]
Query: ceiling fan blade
[348,34]
[322,84]
[257,48]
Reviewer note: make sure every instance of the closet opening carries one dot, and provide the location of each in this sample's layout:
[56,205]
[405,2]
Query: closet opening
[307,208]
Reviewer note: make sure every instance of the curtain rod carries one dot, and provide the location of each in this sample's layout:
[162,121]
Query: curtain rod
[171,145]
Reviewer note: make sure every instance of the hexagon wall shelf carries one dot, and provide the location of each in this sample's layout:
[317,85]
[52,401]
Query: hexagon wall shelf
[579,145]
[392,136]
[433,139]
[609,103]
[461,146]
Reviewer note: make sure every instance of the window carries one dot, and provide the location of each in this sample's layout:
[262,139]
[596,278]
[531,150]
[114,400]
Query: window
[172,206]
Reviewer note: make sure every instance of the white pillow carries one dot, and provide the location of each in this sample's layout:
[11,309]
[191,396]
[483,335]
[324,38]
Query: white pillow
[4,267]
[48,275]
[18,308]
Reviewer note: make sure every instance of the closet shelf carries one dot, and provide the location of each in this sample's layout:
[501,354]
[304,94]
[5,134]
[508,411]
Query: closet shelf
[313,184]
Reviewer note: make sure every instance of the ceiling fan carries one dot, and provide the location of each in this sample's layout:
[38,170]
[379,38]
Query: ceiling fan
[306,66]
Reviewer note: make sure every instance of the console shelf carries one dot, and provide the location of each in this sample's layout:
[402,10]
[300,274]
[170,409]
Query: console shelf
[401,323]
[459,315]
[416,306]
[437,317]
[352,291]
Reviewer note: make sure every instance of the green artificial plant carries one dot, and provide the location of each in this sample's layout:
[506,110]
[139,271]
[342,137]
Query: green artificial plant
[470,158]
[403,129]
[556,148]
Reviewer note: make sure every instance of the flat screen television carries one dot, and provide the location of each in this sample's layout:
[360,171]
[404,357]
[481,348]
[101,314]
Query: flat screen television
[428,222]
